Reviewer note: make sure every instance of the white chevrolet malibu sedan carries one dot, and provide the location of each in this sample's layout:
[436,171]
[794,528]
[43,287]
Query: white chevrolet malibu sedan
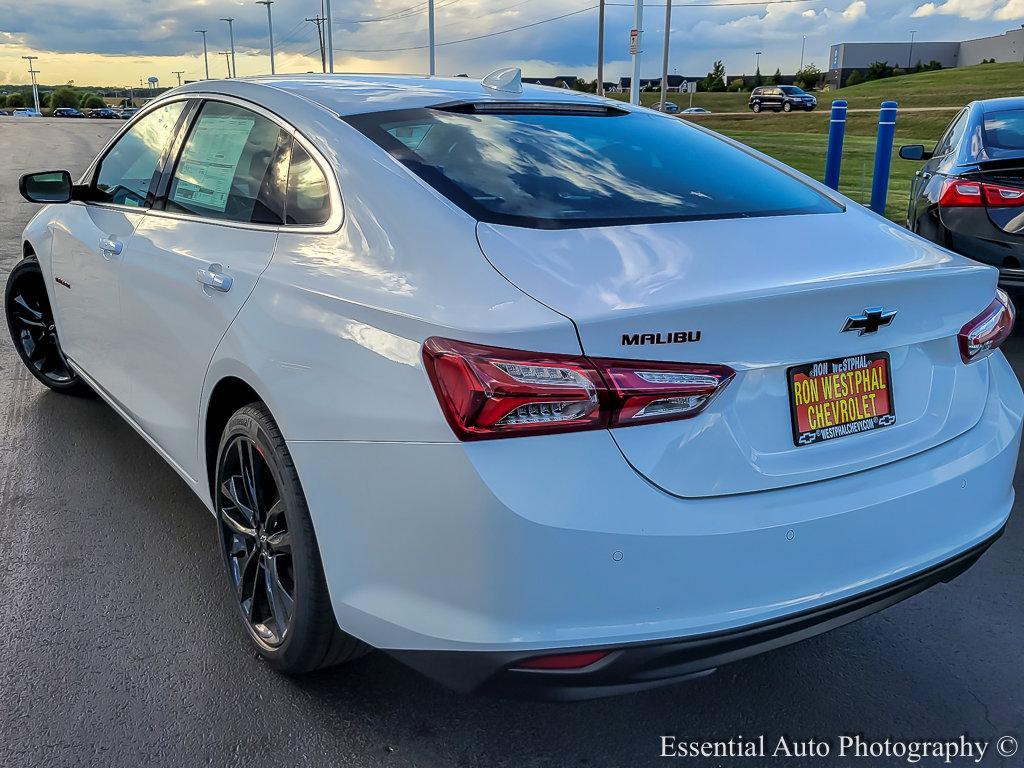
[542,394]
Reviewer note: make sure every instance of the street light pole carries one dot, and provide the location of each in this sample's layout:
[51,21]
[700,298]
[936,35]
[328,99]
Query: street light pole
[206,58]
[270,24]
[910,56]
[430,33]
[664,55]
[35,86]
[803,44]
[638,20]
[330,38]
[600,48]
[757,64]
[231,36]
[227,60]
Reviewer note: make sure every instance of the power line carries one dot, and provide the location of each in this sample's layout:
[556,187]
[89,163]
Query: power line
[565,16]
[475,37]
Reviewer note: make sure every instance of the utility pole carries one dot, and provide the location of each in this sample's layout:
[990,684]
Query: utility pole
[802,46]
[600,48]
[910,56]
[319,20]
[270,23]
[206,58]
[329,21]
[231,36]
[179,73]
[757,62]
[227,60]
[430,33]
[664,55]
[638,20]
[35,85]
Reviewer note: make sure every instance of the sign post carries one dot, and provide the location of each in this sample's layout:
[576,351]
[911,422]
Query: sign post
[634,50]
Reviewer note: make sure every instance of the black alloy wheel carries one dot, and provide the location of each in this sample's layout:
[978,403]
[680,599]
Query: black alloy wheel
[34,331]
[251,513]
[270,549]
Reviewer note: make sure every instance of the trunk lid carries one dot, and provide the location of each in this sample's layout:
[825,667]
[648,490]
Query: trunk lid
[762,295]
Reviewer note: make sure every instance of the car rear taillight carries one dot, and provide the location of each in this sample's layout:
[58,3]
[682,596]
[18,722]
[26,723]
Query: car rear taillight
[488,392]
[963,193]
[983,335]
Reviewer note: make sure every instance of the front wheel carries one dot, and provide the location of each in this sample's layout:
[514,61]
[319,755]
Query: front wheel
[270,549]
[34,332]
[787,107]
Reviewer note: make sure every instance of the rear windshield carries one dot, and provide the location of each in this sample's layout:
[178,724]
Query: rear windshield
[554,170]
[1005,129]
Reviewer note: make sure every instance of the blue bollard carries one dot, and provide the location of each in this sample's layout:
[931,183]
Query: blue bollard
[836,131]
[883,156]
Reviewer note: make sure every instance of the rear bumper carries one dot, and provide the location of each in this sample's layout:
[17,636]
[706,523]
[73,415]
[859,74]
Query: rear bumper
[442,553]
[649,665]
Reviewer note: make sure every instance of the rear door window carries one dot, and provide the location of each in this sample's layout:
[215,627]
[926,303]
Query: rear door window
[558,168]
[233,166]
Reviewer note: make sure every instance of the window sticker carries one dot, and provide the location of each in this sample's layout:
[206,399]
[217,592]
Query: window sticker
[210,160]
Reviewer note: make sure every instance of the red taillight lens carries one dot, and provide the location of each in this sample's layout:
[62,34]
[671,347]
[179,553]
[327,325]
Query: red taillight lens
[997,196]
[565,661]
[983,335]
[488,392]
[957,193]
[962,193]
[645,392]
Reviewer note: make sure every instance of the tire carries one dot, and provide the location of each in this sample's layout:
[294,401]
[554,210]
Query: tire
[281,550]
[787,107]
[33,331]
[756,107]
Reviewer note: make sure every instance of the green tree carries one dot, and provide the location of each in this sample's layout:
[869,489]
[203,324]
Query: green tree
[855,78]
[63,97]
[93,101]
[933,64]
[758,78]
[738,85]
[774,79]
[808,77]
[15,101]
[715,81]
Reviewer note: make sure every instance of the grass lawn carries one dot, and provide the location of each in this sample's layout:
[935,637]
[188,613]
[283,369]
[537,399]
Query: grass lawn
[799,138]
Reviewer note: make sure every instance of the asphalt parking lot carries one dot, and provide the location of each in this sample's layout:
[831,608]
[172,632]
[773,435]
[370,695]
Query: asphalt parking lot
[119,646]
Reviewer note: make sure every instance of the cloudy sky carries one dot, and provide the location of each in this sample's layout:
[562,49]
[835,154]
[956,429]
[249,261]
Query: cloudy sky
[116,42]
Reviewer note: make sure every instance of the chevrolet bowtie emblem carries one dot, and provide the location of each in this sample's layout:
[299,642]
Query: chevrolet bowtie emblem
[872,319]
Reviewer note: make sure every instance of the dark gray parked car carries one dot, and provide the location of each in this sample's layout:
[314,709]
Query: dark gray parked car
[781,98]
[969,195]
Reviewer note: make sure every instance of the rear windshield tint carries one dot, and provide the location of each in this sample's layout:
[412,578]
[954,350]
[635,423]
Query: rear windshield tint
[563,169]
[1005,129]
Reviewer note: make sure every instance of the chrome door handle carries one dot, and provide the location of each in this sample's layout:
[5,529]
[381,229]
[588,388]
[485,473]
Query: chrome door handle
[111,246]
[214,278]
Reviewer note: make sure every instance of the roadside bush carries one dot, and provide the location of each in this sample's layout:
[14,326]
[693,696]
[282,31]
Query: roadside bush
[92,101]
[855,78]
[878,70]
[736,86]
[808,77]
[15,101]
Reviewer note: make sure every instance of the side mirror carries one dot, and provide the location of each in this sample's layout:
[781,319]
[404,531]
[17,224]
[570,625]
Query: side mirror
[914,152]
[46,187]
